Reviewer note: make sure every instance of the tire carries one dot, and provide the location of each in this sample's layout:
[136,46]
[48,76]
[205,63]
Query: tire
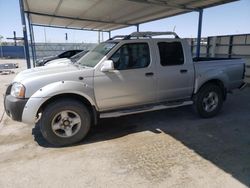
[208,101]
[65,122]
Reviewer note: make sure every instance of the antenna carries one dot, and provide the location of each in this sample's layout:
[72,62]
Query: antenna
[66,37]
[174,28]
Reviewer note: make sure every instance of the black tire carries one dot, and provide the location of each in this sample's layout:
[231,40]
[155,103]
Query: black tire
[202,96]
[71,107]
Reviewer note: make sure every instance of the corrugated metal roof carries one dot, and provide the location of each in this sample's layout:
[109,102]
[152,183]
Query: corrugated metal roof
[107,15]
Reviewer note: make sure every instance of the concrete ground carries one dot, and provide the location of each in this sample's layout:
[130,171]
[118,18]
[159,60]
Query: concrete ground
[168,148]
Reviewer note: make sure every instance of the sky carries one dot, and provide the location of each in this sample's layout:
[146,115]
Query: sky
[231,18]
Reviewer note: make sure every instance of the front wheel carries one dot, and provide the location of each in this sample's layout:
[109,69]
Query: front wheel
[208,101]
[65,122]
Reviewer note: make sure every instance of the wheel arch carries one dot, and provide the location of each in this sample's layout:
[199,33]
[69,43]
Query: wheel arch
[74,96]
[217,82]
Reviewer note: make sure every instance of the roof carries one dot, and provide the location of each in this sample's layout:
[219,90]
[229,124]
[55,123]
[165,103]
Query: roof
[108,15]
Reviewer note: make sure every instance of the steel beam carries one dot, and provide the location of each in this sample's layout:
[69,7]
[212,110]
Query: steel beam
[198,46]
[230,47]
[61,27]
[165,4]
[138,27]
[34,43]
[78,19]
[56,10]
[208,46]
[26,44]
[99,37]
[31,39]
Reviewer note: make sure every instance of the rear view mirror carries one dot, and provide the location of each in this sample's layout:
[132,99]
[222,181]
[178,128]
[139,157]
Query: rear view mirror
[107,66]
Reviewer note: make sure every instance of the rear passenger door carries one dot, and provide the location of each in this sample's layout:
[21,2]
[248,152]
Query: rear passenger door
[175,76]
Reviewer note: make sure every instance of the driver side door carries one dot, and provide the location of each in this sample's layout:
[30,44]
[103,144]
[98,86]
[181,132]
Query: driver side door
[132,82]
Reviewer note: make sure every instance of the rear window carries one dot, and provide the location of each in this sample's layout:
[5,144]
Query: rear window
[171,53]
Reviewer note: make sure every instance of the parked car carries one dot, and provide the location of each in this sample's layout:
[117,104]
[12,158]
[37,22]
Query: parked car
[66,54]
[64,61]
[120,77]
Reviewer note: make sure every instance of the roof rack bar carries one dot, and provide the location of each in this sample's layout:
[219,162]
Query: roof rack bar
[151,34]
[147,34]
[118,36]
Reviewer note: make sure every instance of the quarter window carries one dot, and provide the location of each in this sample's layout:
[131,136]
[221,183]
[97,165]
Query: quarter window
[171,53]
[131,56]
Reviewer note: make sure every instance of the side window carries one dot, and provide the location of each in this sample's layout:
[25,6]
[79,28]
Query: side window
[131,56]
[171,53]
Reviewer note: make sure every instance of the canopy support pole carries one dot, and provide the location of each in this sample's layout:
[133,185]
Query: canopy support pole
[99,37]
[34,43]
[198,47]
[25,37]
[31,39]
[109,34]
[138,28]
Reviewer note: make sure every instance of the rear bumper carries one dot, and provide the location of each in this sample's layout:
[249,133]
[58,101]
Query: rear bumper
[14,107]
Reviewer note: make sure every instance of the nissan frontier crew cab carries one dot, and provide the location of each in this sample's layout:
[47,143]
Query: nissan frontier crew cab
[124,75]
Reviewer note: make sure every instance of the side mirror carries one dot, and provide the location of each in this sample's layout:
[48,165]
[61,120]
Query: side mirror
[107,66]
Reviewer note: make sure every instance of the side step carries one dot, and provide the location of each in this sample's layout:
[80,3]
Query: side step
[143,109]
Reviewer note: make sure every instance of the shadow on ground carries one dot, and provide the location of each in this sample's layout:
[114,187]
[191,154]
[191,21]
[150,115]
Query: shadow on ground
[223,140]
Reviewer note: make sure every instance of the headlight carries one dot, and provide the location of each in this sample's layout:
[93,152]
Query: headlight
[18,90]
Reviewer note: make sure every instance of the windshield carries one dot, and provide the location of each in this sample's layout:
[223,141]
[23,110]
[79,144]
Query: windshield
[94,56]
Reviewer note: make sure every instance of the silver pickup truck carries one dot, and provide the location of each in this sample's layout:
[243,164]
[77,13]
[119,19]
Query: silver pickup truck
[131,74]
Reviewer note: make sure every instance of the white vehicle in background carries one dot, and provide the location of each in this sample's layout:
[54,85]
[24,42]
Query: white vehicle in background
[58,62]
[65,61]
[67,54]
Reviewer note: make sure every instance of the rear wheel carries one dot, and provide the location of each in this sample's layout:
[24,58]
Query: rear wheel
[209,100]
[65,122]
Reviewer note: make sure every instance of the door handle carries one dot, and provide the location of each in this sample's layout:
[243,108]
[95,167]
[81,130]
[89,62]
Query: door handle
[149,74]
[183,71]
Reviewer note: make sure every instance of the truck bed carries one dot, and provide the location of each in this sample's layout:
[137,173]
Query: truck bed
[229,70]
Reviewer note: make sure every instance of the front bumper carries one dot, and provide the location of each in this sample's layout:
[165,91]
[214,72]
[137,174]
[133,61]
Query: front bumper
[14,106]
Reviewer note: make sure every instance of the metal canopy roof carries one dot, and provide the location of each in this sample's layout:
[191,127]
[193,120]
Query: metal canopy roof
[108,15]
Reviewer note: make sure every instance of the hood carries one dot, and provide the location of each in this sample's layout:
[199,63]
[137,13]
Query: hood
[59,62]
[44,71]
[36,78]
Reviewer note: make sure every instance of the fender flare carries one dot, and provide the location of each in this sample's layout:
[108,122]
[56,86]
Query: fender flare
[34,103]
[202,79]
